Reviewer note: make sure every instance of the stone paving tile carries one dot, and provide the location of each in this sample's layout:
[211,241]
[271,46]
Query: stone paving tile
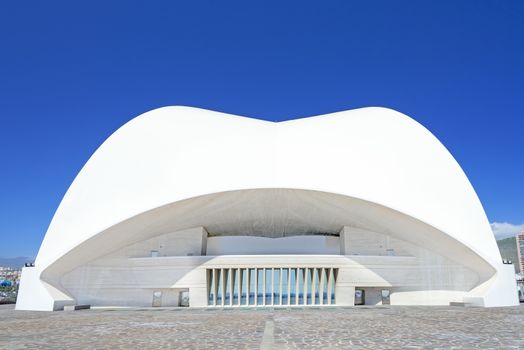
[334,328]
[403,327]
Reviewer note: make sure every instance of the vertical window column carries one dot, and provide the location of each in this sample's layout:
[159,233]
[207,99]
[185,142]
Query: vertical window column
[271,286]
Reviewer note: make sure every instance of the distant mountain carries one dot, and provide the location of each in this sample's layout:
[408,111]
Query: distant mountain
[15,262]
[508,250]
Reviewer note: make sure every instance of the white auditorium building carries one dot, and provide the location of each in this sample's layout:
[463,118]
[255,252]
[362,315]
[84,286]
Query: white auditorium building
[185,206]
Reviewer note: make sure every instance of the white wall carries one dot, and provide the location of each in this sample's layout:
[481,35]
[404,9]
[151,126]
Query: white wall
[243,245]
[34,294]
[186,242]
[129,276]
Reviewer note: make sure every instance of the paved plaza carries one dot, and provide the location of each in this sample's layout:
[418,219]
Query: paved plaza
[330,328]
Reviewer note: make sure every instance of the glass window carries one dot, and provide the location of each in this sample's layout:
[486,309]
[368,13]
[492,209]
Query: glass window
[293,286]
[260,289]
[227,286]
[309,285]
[236,280]
[325,286]
[219,278]
[210,287]
[333,277]
[317,285]
[269,286]
[300,273]
[285,284]
[252,287]
[276,290]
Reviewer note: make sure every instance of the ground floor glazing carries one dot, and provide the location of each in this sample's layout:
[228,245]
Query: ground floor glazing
[253,286]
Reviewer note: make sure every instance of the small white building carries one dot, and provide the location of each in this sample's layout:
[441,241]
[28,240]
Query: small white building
[232,211]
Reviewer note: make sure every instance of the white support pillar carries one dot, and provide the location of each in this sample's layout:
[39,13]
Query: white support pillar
[344,288]
[321,287]
[313,285]
[222,289]
[209,280]
[231,287]
[264,287]
[330,285]
[306,284]
[214,286]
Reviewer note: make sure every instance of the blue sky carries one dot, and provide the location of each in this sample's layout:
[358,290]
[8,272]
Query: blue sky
[73,72]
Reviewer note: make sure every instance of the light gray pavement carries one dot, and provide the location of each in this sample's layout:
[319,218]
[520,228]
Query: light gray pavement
[343,328]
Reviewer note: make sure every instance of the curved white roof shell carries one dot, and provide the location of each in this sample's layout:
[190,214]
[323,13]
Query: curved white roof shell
[182,167]
[175,153]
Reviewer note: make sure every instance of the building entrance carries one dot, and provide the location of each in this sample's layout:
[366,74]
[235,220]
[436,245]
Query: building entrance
[261,286]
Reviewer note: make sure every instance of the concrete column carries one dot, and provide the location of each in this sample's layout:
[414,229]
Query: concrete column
[231,287]
[345,295]
[306,284]
[214,286]
[203,250]
[344,240]
[198,289]
[256,287]
[313,285]
[222,286]
[197,296]
[344,289]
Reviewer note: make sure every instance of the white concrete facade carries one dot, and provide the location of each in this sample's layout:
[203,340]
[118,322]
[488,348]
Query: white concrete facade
[179,193]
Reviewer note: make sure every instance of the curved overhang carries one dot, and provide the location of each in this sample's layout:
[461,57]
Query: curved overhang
[270,213]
